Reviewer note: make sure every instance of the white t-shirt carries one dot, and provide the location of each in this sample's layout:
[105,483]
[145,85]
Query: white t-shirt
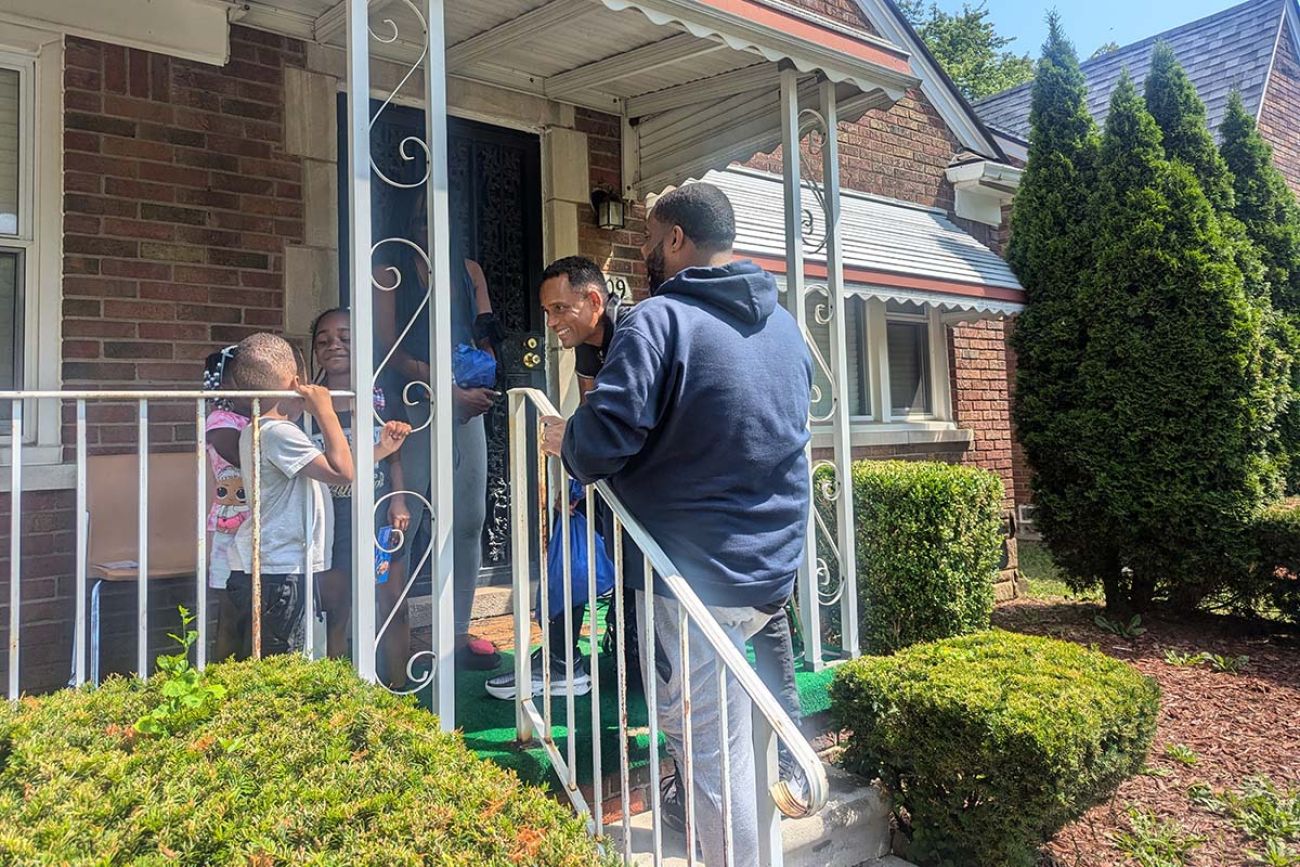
[290,503]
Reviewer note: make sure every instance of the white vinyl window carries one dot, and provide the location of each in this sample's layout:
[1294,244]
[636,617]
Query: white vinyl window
[15,230]
[897,356]
[31,244]
[907,337]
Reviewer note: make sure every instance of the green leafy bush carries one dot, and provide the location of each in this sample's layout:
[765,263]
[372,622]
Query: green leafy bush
[1277,570]
[929,540]
[299,763]
[991,742]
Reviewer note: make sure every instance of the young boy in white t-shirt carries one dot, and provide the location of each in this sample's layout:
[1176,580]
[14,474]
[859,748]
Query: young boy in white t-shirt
[290,478]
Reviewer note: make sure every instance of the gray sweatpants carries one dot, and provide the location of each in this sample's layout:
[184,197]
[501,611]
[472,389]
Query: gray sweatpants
[469,500]
[740,624]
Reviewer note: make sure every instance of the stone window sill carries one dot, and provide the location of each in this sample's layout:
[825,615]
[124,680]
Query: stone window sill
[897,433]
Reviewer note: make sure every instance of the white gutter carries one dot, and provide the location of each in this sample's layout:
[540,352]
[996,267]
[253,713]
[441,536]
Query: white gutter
[982,189]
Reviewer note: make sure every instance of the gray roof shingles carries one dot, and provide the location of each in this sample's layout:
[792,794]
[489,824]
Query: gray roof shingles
[1230,50]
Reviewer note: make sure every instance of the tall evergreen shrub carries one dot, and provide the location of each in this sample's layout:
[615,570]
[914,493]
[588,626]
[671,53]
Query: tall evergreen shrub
[1263,203]
[1178,111]
[1049,251]
[1170,375]
[1270,216]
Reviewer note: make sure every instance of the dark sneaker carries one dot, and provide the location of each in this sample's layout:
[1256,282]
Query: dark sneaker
[672,801]
[503,685]
[790,791]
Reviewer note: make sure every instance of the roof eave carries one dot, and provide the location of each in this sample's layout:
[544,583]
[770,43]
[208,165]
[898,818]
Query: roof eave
[868,63]
[956,110]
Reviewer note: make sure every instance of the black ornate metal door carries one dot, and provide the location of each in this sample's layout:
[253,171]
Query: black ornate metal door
[496,220]
[496,198]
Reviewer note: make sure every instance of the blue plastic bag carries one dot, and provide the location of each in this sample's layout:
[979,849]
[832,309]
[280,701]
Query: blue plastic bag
[577,564]
[472,367]
[383,556]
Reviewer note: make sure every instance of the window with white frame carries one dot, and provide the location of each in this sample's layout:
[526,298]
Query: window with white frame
[15,219]
[907,340]
[906,343]
[31,243]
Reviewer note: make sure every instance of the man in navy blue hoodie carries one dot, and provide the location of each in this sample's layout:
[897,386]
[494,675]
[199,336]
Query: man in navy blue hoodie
[699,420]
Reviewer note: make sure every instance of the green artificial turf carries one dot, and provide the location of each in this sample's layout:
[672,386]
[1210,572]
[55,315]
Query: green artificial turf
[488,724]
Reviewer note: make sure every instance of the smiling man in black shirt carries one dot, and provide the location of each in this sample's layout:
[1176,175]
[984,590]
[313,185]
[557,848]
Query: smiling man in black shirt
[582,312]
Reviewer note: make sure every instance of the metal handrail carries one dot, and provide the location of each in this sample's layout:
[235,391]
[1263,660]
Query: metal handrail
[732,660]
[147,394]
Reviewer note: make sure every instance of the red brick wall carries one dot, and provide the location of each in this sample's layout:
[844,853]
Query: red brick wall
[981,397]
[178,204]
[901,153]
[617,251]
[49,538]
[1280,119]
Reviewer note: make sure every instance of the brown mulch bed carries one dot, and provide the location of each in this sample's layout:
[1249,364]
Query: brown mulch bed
[1240,725]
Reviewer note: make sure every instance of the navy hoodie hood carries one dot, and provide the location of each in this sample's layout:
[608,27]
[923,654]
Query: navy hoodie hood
[699,420]
[741,291]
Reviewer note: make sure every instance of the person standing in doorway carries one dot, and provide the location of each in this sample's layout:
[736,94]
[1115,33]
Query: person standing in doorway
[403,312]
[582,313]
[699,420]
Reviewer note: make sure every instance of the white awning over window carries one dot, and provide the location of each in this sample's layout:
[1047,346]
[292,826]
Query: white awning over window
[894,251]
[960,307]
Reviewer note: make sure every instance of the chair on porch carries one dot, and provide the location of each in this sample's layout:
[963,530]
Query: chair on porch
[112,520]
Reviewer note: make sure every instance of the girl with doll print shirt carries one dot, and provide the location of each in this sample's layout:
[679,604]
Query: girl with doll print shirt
[229,500]
[331,346]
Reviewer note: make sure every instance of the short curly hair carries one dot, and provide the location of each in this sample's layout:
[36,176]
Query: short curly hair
[265,362]
[704,213]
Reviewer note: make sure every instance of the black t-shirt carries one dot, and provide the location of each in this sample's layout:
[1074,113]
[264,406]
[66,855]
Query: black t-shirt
[588,359]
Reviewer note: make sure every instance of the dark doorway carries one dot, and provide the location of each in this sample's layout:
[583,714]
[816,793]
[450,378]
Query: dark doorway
[496,220]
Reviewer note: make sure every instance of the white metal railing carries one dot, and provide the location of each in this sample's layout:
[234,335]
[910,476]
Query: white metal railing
[142,399]
[771,722]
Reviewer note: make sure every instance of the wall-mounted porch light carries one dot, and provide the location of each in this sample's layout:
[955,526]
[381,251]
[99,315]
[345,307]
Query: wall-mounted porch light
[609,207]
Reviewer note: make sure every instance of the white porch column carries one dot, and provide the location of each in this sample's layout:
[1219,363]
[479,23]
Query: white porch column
[841,432]
[809,609]
[435,118]
[363,360]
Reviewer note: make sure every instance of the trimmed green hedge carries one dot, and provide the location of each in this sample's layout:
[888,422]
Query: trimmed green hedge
[1277,573]
[298,763]
[992,742]
[929,541]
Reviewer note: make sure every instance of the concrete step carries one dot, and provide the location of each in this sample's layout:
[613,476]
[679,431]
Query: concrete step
[852,830]
[488,602]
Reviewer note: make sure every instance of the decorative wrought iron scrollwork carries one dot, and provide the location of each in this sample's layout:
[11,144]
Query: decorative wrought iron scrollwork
[822,313]
[387,277]
[826,493]
[404,147]
[810,150]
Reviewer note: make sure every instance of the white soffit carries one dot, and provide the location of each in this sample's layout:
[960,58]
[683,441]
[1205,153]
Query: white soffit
[190,29]
[868,62]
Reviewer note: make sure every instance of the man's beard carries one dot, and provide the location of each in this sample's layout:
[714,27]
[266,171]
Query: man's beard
[654,268]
